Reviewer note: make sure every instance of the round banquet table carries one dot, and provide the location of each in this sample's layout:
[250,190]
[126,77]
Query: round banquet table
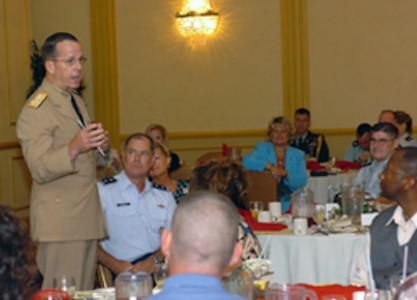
[312,259]
[319,185]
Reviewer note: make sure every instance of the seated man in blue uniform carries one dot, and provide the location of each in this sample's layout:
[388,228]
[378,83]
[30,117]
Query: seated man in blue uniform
[394,229]
[358,151]
[201,244]
[135,212]
[314,145]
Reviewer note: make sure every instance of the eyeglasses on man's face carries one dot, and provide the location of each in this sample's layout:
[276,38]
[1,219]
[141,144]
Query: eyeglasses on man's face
[72,60]
[381,142]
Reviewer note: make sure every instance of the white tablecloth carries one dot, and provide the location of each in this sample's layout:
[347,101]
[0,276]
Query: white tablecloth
[314,259]
[319,185]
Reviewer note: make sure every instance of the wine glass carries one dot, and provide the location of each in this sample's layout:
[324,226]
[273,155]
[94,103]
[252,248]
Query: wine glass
[319,215]
[65,283]
[160,272]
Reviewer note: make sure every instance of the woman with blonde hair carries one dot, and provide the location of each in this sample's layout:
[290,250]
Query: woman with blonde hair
[159,134]
[285,163]
[160,176]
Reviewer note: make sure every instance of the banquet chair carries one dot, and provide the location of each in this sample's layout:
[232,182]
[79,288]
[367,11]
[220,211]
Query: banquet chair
[103,276]
[408,289]
[261,188]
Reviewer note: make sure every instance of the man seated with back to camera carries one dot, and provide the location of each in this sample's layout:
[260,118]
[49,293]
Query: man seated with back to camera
[200,245]
[393,229]
[358,150]
[135,212]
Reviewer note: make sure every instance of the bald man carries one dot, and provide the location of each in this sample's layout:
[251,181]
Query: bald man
[394,229]
[201,244]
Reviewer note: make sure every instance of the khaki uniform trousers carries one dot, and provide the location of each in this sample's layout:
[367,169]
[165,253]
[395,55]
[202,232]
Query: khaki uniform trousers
[73,258]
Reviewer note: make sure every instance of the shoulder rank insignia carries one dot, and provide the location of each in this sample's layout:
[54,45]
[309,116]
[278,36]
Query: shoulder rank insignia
[37,99]
[109,180]
[408,138]
[355,143]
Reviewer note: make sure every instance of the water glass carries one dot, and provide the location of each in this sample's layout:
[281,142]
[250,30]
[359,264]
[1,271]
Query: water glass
[394,282]
[65,283]
[255,207]
[160,273]
[133,285]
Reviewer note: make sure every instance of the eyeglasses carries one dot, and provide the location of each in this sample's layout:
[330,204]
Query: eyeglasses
[381,142]
[72,61]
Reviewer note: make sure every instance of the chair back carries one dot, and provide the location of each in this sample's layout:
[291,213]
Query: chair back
[261,188]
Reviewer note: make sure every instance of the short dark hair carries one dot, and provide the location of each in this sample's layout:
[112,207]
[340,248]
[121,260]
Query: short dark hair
[387,128]
[363,128]
[140,136]
[49,47]
[402,117]
[302,111]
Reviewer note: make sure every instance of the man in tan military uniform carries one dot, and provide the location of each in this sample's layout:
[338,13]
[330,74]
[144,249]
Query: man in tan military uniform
[60,146]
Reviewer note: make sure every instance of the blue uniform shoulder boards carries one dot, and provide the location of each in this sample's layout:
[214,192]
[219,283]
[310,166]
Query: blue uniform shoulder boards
[159,187]
[37,99]
[355,144]
[408,138]
[109,180]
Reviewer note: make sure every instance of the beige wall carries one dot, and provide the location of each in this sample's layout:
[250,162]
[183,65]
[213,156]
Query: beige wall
[362,60]
[234,82]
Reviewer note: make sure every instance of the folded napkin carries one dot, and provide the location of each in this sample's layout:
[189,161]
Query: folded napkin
[347,165]
[314,166]
[344,224]
[333,289]
[260,226]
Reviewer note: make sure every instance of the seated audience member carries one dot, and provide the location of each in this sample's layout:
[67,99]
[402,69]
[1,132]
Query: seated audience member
[358,151]
[201,244]
[384,140]
[393,229]
[160,176]
[386,116]
[285,163]
[404,124]
[135,212]
[159,134]
[314,145]
[17,257]
[229,178]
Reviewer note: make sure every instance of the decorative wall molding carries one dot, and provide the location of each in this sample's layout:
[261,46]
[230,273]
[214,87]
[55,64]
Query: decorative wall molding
[105,67]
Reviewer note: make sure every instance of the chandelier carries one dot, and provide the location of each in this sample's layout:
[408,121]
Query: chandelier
[197,20]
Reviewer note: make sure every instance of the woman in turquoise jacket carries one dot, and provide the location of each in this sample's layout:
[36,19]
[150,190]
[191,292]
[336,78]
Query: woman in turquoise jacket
[285,163]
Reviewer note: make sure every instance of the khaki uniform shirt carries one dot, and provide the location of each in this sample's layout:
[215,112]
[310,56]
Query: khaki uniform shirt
[65,204]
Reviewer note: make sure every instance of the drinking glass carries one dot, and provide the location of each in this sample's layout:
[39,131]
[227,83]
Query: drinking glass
[160,272]
[133,285]
[394,282]
[255,207]
[65,283]
[50,295]
[319,214]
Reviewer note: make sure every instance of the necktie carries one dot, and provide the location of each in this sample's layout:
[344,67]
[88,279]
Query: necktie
[77,110]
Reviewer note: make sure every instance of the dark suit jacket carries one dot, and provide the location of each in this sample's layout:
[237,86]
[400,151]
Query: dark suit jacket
[314,145]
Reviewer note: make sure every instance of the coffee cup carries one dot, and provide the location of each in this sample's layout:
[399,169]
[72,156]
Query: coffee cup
[300,226]
[264,217]
[274,209]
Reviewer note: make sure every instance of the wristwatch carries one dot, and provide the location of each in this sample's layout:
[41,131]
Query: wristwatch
[156,259]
